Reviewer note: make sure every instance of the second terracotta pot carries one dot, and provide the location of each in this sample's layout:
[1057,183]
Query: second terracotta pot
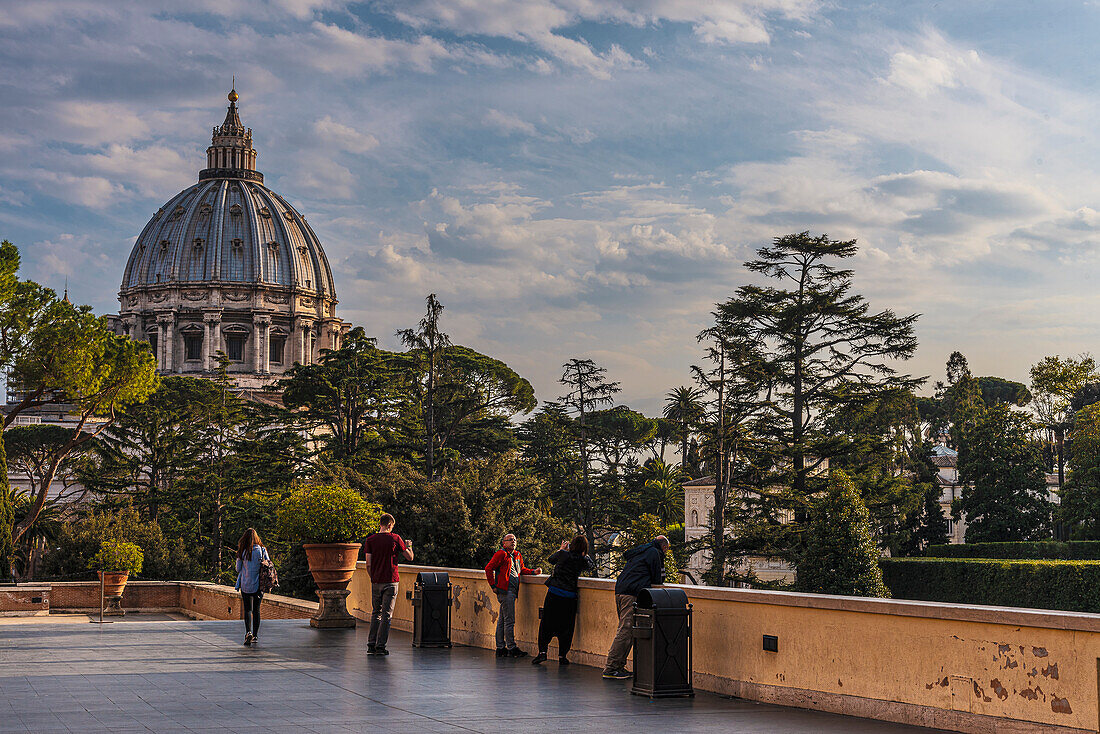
[114,582]
[332,564]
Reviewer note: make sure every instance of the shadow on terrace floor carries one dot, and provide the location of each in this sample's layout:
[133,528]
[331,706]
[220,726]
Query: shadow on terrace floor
[196,676]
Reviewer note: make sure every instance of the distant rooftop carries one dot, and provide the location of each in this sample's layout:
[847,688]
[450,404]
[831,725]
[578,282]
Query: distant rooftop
[188,676]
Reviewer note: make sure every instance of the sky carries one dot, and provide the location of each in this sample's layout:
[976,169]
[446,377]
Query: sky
[586,178]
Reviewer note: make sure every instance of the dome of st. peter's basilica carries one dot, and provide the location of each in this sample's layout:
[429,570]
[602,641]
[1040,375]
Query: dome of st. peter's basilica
[229,265]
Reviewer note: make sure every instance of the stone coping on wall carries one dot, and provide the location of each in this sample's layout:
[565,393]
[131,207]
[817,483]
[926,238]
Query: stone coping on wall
[201,599]
[1015,616]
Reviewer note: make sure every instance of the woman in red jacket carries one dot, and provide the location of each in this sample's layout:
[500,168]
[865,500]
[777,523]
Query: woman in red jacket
[503,571]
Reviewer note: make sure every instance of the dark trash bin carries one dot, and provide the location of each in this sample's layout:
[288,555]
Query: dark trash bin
[431,600]
[662,644]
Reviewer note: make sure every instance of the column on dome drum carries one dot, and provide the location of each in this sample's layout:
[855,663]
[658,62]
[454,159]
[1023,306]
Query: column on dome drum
[431,599]
[662,644]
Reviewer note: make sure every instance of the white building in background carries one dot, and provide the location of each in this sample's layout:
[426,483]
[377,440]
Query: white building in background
[947,478]
[698,504]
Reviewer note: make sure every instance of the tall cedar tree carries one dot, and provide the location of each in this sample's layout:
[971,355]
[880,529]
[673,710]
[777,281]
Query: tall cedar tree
[152,445]
[1003,483]
[841,555]
[588,390]
[734,426]
[821,347]
[428,344]
[354,392]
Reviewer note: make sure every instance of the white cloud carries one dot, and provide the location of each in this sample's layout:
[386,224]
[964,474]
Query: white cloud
[925,74]
[508,124]
[343,137]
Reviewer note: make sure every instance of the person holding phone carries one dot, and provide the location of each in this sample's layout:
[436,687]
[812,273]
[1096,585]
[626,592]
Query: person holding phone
[559,609]
[382,551]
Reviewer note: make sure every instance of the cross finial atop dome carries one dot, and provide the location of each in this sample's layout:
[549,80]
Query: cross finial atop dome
[233,90]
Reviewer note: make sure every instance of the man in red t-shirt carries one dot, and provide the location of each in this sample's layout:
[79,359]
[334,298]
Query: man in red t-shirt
[382,550]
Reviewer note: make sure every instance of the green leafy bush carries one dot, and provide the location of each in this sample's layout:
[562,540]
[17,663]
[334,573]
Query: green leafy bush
[115,555]
[1072,586]
[165,559]
[326,513]
[841,556]
[1076,550]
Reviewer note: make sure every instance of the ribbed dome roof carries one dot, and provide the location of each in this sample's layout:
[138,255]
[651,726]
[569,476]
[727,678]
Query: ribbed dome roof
[229,228]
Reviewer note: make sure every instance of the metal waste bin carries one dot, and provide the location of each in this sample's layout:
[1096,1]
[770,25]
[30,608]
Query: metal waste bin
[431,600]
[662,644]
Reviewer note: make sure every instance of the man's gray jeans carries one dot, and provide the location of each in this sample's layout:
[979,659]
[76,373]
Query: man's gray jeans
[506,620]
[383,598]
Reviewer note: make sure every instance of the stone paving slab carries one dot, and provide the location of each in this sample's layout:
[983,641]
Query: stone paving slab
[186,676]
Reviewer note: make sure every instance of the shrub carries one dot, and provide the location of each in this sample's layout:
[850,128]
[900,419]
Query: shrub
[326,513]
[841,556]
[115,555]
[1076,550]
[165,559]
[1072,586]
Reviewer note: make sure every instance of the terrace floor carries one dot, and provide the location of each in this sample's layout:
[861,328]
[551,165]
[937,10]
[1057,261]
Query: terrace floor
[173,676]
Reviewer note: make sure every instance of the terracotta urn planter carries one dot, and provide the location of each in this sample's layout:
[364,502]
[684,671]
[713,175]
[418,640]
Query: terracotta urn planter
[114,582]
[332,564]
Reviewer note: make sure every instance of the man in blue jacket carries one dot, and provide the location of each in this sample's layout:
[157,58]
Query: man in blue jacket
[645,567]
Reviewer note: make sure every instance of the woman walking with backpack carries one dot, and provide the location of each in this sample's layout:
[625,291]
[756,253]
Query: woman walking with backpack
[251,554]
[559,610]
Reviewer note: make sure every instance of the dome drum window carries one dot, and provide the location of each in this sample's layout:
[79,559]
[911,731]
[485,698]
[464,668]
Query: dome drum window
[276,345]
[192,342]
[236,336]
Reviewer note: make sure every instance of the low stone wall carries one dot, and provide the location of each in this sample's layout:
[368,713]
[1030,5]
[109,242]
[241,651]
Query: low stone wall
[25,600]
[137,596]
[964,668]
[214,601]
[196,598]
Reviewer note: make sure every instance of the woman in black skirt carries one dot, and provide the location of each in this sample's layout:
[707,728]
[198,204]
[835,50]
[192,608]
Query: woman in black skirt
[559,610]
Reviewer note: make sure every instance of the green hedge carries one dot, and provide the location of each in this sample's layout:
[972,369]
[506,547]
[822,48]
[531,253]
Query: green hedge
[1072,586]
[1074,550]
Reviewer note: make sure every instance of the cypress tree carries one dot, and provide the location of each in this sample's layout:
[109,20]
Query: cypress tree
[841,556]
[933,530]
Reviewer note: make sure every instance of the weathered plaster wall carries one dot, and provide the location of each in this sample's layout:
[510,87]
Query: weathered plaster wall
[964,668]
